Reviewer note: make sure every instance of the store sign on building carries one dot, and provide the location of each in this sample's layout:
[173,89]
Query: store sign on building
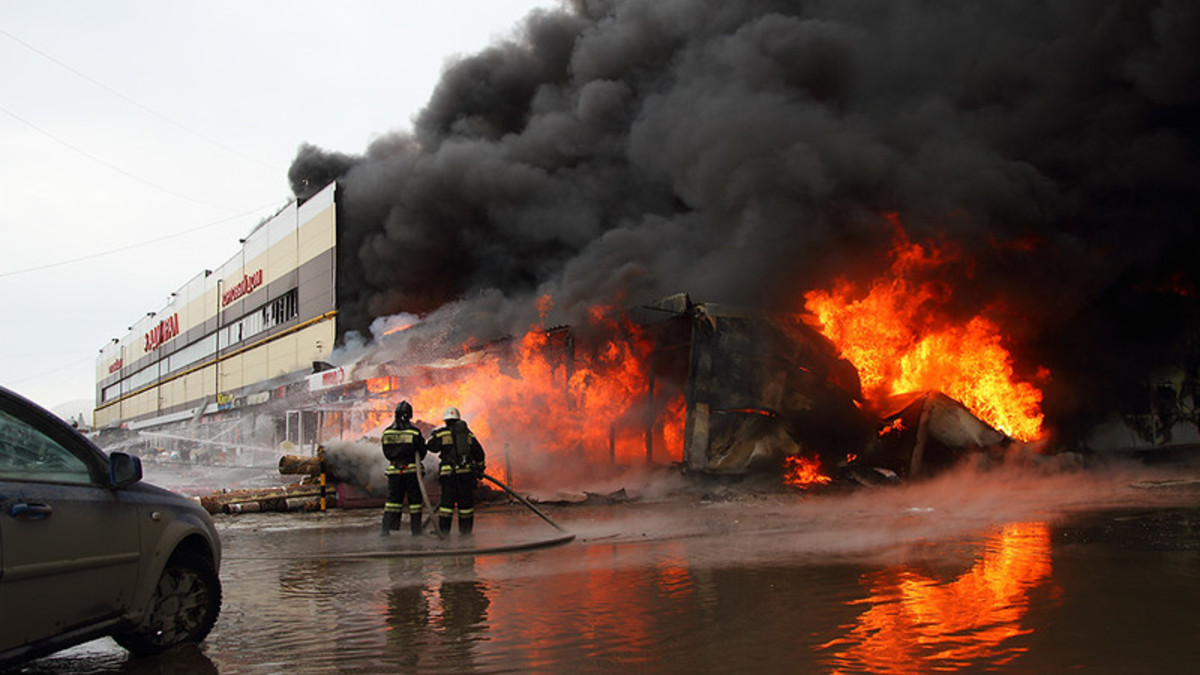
[165,330]
[115,366]
[246,286]
[326,379]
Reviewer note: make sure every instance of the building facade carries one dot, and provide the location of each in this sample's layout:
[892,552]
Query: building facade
[230,336]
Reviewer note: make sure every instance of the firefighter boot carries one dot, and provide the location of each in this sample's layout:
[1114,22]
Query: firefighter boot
[416,523]
[465,525]
[387,524]
[444,524]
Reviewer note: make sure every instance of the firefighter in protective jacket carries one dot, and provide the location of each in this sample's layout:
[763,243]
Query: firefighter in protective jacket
[404,448]
[462,463]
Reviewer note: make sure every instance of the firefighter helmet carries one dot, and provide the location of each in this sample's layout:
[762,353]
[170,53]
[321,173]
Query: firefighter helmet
[404,411]
[451,414]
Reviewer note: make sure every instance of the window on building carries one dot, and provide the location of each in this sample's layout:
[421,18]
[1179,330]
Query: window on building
[197,351]
[276,312]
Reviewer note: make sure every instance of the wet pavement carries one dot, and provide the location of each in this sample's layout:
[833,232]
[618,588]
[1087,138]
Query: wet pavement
[1017,570]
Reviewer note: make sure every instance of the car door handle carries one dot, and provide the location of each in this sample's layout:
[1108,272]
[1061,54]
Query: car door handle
[30,511]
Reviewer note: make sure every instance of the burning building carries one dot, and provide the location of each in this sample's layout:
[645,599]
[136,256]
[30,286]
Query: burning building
[987,204]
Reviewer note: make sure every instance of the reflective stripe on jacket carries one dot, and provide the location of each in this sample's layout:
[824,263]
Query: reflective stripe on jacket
[403,445]
[455,459]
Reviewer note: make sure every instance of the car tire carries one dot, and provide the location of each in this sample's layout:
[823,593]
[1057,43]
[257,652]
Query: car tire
[183,609]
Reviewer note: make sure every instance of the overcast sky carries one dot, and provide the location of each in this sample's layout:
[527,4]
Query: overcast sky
[139,140]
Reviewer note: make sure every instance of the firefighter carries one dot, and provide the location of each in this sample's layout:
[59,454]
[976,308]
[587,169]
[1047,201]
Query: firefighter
[404,448]
[462,463]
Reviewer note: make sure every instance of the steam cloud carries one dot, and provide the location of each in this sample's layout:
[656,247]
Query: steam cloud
[616,151]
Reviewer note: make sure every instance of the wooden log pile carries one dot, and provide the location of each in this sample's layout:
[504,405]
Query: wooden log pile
[302,496]
[300,465]
[306,495]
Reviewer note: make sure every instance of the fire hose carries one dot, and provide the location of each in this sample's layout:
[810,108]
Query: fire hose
[495,481]
[524,501]
[425,500]
[498,483]
[528,546]
[564,538]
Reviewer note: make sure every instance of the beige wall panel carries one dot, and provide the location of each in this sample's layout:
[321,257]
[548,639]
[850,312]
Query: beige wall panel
[254,365]
[325,333]
[184,391]
[195,302]
[240,370]
[259,262]
[316,236]
[199,384]
[144,403]
[281,257]
[190,315]
[231,373]
[103,417]
[281,356]
[307,341]
[148,402]
[208,382]
[278,259]
[173,393]
[187,392]
[130,408]
[198,310]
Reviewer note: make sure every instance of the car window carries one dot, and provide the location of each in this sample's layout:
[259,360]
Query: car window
[28,454]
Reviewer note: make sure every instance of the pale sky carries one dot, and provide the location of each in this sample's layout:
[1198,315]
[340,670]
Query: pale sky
[140,139]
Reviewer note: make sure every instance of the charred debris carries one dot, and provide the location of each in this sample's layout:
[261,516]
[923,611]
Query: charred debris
[766,389]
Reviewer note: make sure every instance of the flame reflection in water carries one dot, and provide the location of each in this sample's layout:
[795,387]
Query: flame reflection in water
[916,622]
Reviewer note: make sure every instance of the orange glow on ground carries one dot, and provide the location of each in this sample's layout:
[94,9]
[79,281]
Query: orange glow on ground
[916,623]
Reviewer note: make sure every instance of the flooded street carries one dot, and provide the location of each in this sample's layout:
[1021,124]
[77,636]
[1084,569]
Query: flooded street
[1016,570]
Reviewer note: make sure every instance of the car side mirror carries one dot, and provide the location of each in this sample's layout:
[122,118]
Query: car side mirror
[124,469]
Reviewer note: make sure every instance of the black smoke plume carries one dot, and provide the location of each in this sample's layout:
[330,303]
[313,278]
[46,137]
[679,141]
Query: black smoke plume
[746,151]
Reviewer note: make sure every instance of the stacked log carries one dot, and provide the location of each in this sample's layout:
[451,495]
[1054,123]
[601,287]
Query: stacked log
[303,496]
[298,497]
[299,465]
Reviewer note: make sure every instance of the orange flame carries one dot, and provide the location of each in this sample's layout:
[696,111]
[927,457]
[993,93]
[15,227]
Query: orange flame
[896,425]
[802,472]
[395,324]
[556,404]
[380,385]
[895,336]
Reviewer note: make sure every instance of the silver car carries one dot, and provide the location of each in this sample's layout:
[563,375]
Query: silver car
[88,550]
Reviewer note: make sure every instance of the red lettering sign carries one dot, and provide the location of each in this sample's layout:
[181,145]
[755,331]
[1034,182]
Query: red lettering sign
[165,330]
[115,366]
[246,286]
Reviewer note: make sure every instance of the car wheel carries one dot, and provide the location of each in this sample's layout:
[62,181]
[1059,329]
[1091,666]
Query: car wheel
[183,610]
